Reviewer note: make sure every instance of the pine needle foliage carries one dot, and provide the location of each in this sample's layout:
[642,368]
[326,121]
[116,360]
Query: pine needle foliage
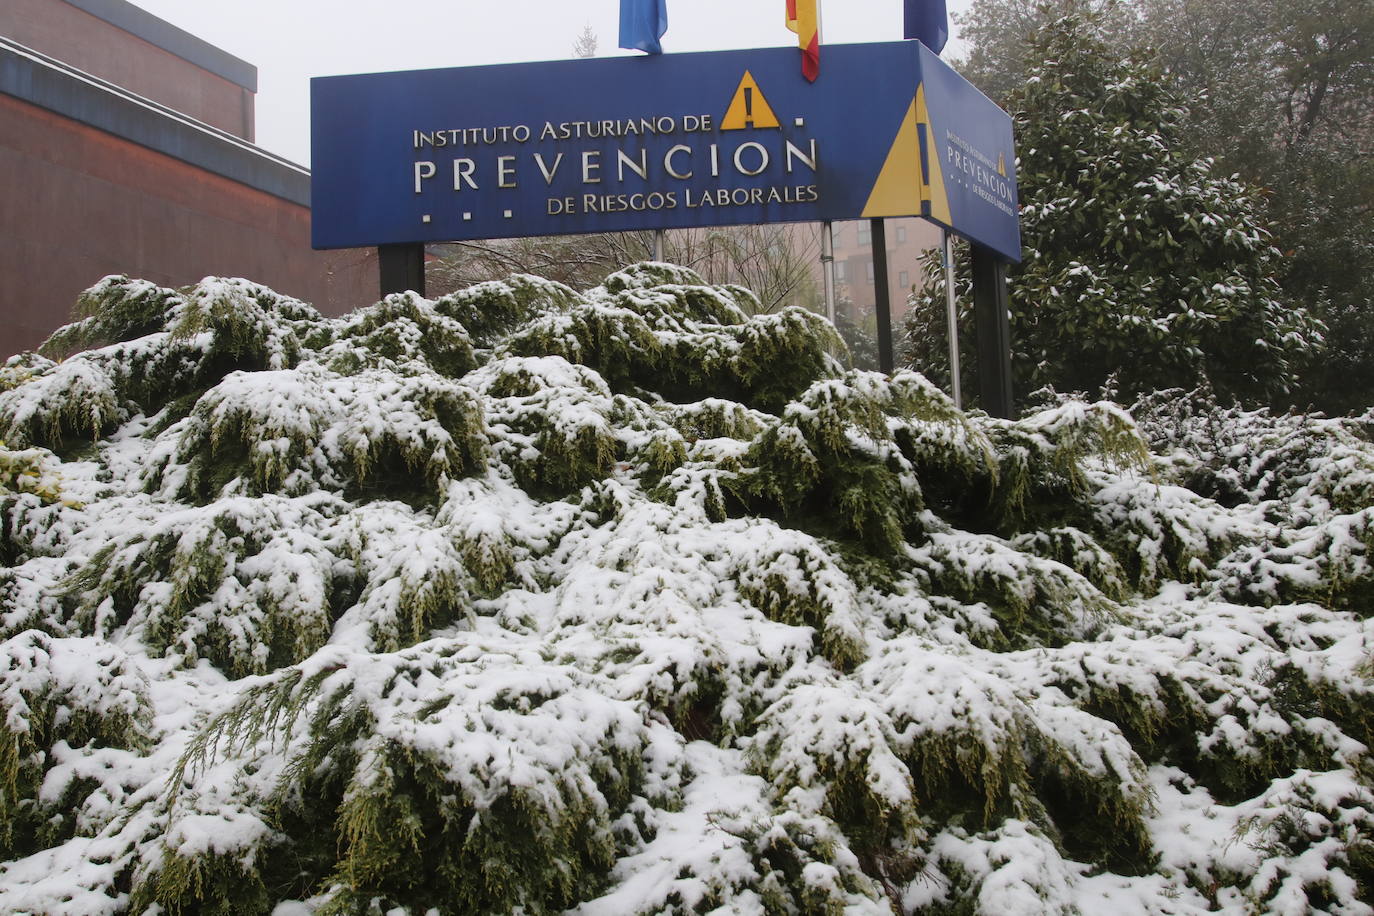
[56,696]
[528,600]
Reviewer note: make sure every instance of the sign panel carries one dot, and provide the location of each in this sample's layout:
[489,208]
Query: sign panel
[969,183]
[666,141]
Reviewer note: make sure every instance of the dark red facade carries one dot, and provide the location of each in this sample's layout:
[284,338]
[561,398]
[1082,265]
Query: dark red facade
[69,33]
[85,190]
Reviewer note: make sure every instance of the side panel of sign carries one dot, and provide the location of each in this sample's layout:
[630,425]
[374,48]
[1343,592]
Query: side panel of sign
[670,141]
[968,161]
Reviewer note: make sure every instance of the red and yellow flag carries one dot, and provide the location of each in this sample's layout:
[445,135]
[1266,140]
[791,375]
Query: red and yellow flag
[804,19]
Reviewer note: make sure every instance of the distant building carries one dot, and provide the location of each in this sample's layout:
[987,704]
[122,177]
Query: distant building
[126,146]
[907,240]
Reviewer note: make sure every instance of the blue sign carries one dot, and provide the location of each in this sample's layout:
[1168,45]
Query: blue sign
[659,142]
[968,161]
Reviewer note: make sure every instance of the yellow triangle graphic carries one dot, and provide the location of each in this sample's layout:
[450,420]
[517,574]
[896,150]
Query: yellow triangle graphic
[748,107]
[1002,164]
[902,189]
[897,192]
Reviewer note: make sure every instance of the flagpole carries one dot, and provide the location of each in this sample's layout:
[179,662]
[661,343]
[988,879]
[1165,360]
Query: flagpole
[828,267]
[952,320]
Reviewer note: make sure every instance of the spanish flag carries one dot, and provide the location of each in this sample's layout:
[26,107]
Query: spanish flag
[804,19]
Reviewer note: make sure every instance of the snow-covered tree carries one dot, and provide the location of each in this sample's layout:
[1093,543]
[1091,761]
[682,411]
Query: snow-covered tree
[1141,265]
[1278,92]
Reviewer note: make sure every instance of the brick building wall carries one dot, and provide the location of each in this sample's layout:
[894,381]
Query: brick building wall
[97,179]
[105,39]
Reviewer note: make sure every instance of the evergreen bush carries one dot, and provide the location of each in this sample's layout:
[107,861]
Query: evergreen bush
[524,600]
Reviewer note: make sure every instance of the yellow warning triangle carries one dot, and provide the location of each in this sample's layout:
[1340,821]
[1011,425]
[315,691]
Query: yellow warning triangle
[902,189]
[748,107]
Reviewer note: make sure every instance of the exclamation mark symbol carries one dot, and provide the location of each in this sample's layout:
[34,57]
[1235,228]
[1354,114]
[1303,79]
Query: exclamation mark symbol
[749,106]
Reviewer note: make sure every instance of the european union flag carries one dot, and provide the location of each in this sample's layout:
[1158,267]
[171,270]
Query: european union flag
[642,24]
[927,22]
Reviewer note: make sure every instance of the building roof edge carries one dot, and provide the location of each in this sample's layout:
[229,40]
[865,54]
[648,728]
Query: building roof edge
[40,80]
[143,24]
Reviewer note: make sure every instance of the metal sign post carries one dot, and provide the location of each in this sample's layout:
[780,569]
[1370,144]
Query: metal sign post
[993,329]
[882,305]
[401,267]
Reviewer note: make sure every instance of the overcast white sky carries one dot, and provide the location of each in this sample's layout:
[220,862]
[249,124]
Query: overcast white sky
[290,41]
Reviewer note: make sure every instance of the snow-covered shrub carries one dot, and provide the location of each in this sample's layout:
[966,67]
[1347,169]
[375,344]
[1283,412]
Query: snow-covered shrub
[551,421]
[115,310]
[1026,600]
[247,584]
[1284,461]
[60,700]
[1042,460]
[467,777]
[292,432]
[27,471]
[827,749]
[75,398]
[160,345]
[621,602]
[838,458]
[792,580]
[489,312]
[403,332]
[683,339]
[1318,836]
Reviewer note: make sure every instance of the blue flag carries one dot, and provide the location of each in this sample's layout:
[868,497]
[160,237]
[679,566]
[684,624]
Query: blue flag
[642,24]
[927,22]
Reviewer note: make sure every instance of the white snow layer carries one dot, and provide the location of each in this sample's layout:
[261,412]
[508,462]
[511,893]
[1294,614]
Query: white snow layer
[1155,706]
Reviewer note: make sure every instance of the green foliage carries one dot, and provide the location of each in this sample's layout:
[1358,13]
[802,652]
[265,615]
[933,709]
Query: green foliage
[1140,263]
[249,324]
[1274,93]
[75,398]
[1313,816]
[863,348]
[1080,552]
[1290,464]
[1042,458]
[1282,88]
[662,329]
[484,794]
[292,432]
[116,310]
[551,422]
[490,311]
[215,884]
[838,454]
[827,743]
[1314,475]
[525,600]
[164,344]
[1025,602]
[1142,268]
[56,695]
[802,586]
[248,585]
[27,471]
[402,333]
